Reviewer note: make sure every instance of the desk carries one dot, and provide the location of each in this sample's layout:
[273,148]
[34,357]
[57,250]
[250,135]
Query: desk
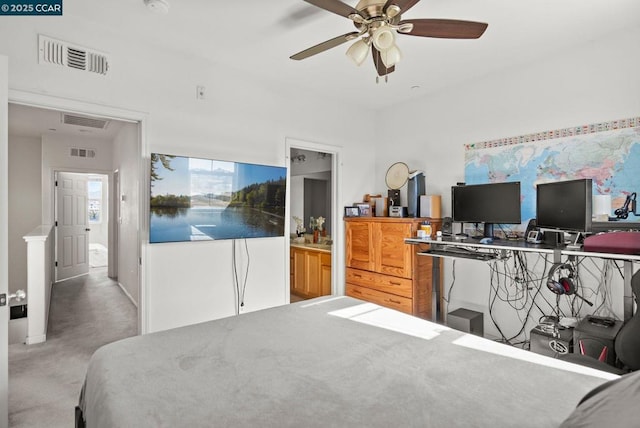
[501,246]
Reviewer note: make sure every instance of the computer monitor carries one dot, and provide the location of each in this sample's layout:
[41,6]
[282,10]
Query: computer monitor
[564,206]
[492,203]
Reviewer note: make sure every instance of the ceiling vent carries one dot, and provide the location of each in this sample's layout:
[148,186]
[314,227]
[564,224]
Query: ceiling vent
[65,54]
[82,153]
[88,122]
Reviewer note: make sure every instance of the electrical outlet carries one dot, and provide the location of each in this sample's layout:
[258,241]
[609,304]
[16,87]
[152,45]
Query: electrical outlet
[200,92]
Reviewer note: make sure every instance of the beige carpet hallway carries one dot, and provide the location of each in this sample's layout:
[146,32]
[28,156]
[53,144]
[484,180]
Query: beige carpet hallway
[45,379]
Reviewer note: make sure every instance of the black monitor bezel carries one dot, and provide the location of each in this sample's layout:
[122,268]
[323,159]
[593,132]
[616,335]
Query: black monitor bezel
[543,220]
[512,218]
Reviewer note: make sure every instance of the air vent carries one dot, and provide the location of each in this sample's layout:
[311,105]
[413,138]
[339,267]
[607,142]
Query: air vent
[65,54]
[82,153]
[89,122]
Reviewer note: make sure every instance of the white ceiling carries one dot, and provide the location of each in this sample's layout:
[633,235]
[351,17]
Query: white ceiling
[257,37]
[25,121]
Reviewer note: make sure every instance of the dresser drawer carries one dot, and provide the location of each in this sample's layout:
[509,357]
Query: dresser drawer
[383,299]
[384,283]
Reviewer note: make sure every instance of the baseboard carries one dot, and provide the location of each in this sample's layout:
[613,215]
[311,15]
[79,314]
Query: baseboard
[126,293]
[36,339]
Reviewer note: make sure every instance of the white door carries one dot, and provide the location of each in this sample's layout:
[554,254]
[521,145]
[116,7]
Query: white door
[4,245]
[72,226]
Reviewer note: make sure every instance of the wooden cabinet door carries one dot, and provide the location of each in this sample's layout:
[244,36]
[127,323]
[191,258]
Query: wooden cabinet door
[325,274]
[392,255]
[291,270]
[298,272]
[312,273]
[359,244]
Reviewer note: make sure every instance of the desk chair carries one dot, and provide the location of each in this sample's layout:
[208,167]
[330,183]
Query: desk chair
[627,342]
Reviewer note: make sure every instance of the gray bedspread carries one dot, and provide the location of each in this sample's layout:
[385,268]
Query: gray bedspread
[328,362]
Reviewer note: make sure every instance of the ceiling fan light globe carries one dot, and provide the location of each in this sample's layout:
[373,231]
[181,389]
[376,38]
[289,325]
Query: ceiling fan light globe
[391,56]
[392,11]
[357,52]
[384,38]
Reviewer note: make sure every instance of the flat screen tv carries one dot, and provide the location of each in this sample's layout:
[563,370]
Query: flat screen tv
[491,203]
[194,199]
[564,205]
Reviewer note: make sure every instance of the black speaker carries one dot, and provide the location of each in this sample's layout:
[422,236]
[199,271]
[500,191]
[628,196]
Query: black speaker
[415,188]
[394,197]
[447,226]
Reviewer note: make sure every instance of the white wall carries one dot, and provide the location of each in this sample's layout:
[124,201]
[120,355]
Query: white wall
[240,120]
[56,157]
[25,203]
[594,83]
[126,160]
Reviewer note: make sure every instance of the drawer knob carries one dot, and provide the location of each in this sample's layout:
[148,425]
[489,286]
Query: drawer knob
[395,301]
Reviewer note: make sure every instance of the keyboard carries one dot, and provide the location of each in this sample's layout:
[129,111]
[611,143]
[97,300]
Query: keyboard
[451,251]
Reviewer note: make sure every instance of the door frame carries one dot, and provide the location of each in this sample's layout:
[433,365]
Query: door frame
[4,240]
[108,112]
[337,235]
[111,245]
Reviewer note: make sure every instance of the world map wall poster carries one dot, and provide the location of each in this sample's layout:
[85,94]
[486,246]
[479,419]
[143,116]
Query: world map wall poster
[608,153]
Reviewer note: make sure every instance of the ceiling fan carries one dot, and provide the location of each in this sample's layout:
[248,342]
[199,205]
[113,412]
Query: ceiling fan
[378,22]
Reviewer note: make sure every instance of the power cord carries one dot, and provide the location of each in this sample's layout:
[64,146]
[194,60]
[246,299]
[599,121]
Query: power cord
[240,290]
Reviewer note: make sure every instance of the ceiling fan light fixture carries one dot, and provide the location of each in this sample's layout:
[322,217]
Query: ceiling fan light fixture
[405,27]
[383,38]
[393,11]
[358,51]
[391,56]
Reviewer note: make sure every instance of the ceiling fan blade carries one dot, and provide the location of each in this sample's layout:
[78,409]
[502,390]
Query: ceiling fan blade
[445,28]
[332,43]
[377,61]
[404,5]
[335,6]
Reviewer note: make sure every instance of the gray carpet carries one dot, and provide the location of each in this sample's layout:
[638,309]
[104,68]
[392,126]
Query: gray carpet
[45,378]
[98,255]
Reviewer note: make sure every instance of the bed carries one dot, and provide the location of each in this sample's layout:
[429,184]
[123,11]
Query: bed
[327,362]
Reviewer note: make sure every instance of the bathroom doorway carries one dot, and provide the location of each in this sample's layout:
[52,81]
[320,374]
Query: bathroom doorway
[312,202]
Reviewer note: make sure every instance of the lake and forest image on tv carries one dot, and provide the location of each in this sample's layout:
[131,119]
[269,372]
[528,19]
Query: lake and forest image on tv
[196,199]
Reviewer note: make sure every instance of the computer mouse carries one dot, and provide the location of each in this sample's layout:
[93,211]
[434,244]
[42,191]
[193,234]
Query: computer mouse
[486,240]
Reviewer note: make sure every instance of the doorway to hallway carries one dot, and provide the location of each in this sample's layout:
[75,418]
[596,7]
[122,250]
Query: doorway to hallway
[82,223]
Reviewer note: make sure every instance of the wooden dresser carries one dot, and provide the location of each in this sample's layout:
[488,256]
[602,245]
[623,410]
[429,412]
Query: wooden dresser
[382,269]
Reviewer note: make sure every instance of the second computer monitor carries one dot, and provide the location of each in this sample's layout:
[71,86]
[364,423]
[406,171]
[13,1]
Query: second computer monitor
[492,203]
[565,205]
